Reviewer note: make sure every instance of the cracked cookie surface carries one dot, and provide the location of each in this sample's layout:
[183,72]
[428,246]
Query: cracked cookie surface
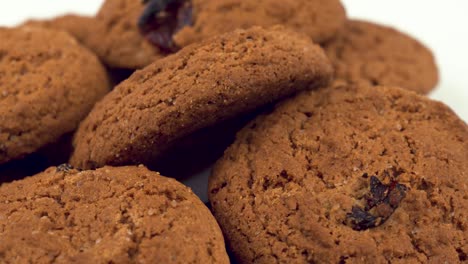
[285,190]
[111,215]
[48,84]
[379,55]
[201,85]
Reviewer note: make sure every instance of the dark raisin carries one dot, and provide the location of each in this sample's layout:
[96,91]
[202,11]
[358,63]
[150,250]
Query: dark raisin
[161,19]
[378,192]
[64,167]
[380,204]
[361,219]
[461,255]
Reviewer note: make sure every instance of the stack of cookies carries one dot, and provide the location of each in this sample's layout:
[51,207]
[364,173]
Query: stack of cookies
[338,155]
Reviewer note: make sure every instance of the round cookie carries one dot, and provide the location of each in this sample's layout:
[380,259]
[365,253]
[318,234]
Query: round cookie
[347,174]
[111,215]
[48,84]
[380,55]
[201,85]
[119,43]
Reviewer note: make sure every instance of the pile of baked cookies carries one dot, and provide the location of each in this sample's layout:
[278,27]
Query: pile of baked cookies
[341,158]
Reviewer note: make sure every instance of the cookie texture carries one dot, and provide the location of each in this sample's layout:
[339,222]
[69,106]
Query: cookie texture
[111,215]
[318,19]
[379,55]
[201,85]
[48,84]
[284,192]
[119,42]
[80,27]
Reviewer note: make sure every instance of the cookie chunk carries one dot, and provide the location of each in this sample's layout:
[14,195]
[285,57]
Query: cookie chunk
[111,215]
[163,28]
[347,174]
[201,85]
[48,84]
[380,55]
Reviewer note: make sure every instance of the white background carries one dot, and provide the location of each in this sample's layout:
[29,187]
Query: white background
[440,24]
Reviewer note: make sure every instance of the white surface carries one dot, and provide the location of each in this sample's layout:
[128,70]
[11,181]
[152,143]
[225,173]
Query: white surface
[441,25]
[13,12]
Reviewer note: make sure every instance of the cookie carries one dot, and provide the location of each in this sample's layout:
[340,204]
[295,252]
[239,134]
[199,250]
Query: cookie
[347,174]
[201,85]
[379,55]
[122,42]
[48,84]
[111,215]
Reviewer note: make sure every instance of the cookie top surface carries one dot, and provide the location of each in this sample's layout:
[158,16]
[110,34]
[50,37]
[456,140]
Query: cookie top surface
[48,84]
[201,85]
[80,27]
[380,55]
[111,215]
[120,44]
[286,189]
[318,19]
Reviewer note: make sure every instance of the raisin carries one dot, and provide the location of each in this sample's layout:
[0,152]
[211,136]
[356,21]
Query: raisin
[161,19]
[380,204]
[378,192]
[461,255]
[361,219]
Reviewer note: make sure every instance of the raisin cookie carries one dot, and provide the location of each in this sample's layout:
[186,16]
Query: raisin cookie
[380,55]
[48,84]
[347,174]
[111,215]
[132,34]
[201,85]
